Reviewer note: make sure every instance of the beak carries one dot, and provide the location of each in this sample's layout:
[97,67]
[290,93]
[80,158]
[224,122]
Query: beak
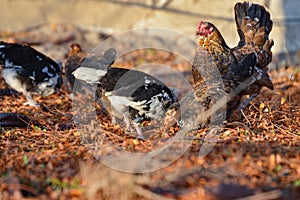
[199,33]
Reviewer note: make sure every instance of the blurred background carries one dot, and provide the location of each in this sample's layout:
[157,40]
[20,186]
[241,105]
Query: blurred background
[90,21]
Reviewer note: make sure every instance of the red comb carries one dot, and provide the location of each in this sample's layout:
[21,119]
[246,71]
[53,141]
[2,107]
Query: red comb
[200,24]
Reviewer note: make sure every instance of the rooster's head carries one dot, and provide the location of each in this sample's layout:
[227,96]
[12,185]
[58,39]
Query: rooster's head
[205,29]
[208,33]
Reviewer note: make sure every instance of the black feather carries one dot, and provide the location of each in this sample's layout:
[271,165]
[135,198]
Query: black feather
[28,71]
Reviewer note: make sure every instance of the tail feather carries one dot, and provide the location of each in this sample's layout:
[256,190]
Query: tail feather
[246,66]
[266,80]
[109,57]
[92,69]
[253,23]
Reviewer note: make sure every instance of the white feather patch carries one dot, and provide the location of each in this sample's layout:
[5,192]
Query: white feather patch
[47,87]
[39,58]
[260,72]
[7,63]
[46,71]
[10,77]
[89,75]
[119,103]
[139,105]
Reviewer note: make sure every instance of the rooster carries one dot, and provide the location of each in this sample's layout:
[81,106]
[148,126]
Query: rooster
[214,90]
[253,26]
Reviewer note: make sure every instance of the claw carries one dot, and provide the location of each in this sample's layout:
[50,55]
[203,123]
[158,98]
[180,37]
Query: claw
[30,101]
[245,104]
[140,135]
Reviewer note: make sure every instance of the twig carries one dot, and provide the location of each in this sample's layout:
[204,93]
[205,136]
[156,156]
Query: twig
[148,194]
[245,116]
[14,120]
[203,139]
[46,109]
[275,194]
[239,124]
[18,186]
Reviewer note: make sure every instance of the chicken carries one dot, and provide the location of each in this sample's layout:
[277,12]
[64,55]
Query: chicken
[132,94]
[28,71]
[215,89]
[76,56]
[253,26]
[74,59]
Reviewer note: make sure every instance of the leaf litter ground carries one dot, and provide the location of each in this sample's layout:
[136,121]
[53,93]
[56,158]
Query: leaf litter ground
[257,156]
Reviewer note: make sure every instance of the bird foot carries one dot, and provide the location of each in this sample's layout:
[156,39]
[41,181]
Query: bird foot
[32,104]
[140,135]
[30,101]
[135,131]
[245,104]
[113,120]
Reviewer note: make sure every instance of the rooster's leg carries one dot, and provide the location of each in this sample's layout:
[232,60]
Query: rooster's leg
[245,104]
[30,100]
[140,135]
[136,126]
[127,121]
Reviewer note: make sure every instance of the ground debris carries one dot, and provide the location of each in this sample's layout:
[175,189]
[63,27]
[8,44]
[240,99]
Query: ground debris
[45,155]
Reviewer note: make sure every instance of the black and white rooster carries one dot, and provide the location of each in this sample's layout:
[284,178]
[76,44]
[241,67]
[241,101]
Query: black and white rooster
[28,71]
[132,94]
